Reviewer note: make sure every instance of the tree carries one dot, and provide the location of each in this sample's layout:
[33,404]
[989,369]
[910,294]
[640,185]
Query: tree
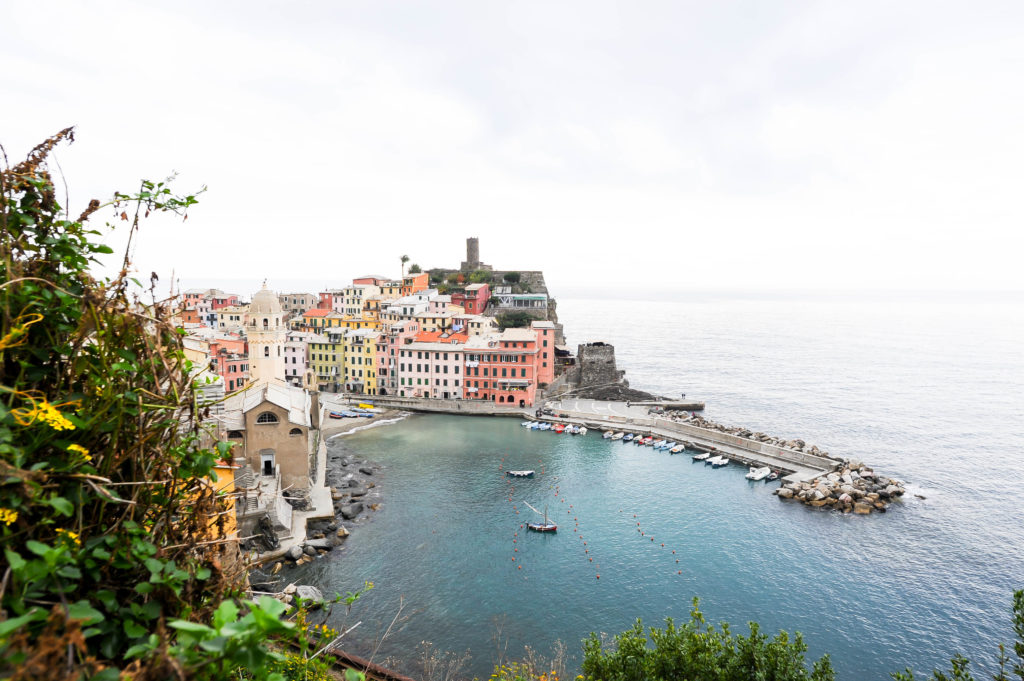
[404,260]
[697,650]
[512,277]
[117,553]
[480,277]
[513,320]
[414,269]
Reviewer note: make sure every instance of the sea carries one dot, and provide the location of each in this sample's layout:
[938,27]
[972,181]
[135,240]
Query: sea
[925,388]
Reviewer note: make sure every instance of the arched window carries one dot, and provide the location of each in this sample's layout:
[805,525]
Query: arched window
[266,351]
[295,431]
[236,434]
[278,350]
[266,323]
[267,417]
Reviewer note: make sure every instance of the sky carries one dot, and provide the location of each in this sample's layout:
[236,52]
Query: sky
[660,146]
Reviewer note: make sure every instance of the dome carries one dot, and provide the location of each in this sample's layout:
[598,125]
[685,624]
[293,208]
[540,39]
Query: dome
[264,302]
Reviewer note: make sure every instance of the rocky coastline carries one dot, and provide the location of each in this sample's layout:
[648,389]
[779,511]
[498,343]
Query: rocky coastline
[854,488]
[795,444]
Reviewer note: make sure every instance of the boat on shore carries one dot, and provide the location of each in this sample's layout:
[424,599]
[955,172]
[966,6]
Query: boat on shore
[627,437]
[678,449]
[618,436]
[722,461]
[657,444]
[758,473]
[519,474]
[607,435]
[713,460]
[544,426]
[581,430]
[559,428]
[703,456]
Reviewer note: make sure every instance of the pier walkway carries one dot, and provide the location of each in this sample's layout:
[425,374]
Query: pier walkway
[625,416]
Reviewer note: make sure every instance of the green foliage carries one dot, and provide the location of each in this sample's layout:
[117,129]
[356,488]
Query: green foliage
[512,277]
[117,555]
[513,320]
[454,278]
[415,269]
[697,651]
[960,666]
[480,277]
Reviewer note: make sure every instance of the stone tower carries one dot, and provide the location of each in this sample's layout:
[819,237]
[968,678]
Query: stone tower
[266,333]
[473,256]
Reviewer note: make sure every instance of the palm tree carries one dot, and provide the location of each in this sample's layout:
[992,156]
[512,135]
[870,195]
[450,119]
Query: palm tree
[405,259]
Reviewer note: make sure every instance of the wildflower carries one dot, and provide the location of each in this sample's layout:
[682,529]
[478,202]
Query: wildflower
[8,516]
[79,449]
[43,411]
[72,537]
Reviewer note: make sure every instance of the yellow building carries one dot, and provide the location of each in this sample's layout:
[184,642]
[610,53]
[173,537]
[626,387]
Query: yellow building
[356,323]
[327,360]
[360,361]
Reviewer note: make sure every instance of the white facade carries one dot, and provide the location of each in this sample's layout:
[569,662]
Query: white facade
[267,335]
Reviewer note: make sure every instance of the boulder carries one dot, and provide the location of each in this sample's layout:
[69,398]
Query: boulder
[845,498]
[342,532]
[861,508]
[319,544]
[847,478]
[365,470]
[357,491]
[894,491]
[290,589]
[817,503]
[784,493]
[277,568]
[294,553]
[350,511]
[310,551]
[310,594]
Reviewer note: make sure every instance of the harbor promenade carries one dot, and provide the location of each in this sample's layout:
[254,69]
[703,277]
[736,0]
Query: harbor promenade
[598,414]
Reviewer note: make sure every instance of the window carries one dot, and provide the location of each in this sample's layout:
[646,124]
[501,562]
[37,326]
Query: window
[266,351]
[456,368]
[267,417]
[295,431]
[522,373]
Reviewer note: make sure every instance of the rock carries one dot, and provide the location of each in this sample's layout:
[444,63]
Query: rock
[357,491]
[277,568]
[847,489]
[290,589]
[894,491]
[817,495]
[817,503]
[845,498]
[294,553]
[374,507]
[855,464]
[343,532]
[310,594]
[833,477]
[350,511]
[319,545]
[862,508]
[880,505]
[847,478]
[310,551]
[920,496]
[335,494]
[784,493]
[366,470]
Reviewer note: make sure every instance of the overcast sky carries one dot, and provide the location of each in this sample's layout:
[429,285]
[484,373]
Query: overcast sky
[777,145]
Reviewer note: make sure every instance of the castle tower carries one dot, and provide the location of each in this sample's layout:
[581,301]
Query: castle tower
[266,333]
[472,261]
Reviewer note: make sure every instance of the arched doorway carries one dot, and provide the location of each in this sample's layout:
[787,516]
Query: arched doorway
[267,461]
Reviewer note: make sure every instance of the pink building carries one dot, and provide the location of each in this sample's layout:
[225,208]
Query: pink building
[474,300]
[296,346]
[432,366]
[545,352]
[371,280]
[389,345]
[332,299]
[230,360]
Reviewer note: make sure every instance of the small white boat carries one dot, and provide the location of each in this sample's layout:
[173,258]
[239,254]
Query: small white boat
[657,444]
[545,426]
[581,430]
[618,436]
[722,461]
[758,473]
[519,474]
[668,445]
[713,460]
[703,456]
[627,437]
[527,424]
[607,435]
[678,449]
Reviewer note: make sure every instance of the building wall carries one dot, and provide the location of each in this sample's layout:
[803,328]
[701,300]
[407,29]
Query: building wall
[291,452]
[427,370]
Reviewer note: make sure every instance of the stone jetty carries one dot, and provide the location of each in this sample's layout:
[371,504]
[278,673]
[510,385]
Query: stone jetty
[795,444]
[853,488]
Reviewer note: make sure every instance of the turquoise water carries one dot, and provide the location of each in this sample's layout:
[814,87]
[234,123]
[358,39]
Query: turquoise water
[931,394]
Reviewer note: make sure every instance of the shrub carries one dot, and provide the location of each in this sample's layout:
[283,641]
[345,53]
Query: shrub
[512,277]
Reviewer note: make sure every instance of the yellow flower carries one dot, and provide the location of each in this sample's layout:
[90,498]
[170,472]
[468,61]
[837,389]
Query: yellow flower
[79,449]
[8,516]
[18,334]
[41,410]
[69,535]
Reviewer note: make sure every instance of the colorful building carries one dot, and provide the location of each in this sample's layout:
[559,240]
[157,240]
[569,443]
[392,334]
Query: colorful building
[360,365]
[326,359]
[474,299]
[414,283]
[432,366]
[502,367]
[391,341]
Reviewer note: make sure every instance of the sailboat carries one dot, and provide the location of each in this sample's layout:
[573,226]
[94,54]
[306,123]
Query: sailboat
[546,526]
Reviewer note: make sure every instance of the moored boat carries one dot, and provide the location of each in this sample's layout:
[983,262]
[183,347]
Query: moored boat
[774,475]
[545,426]
[627,437]
[703,456]
[678,449]
[519,474]
[559,428]
[713,460]
[758,473]
[618,436]
[607,435]
[722,461]
[546,526]
[657,444]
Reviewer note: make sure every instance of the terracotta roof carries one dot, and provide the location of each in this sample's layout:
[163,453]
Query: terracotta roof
[316,312]
[440,337]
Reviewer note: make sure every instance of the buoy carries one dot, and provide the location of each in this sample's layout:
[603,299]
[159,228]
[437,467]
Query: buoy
[520,567]
[641,534]
[515,550]
[652,539]
[679,572]
[591,560]
[677,560]
[584,543]
[599,576]
[513,557]
[663,545]
[673,551]
[634,515]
